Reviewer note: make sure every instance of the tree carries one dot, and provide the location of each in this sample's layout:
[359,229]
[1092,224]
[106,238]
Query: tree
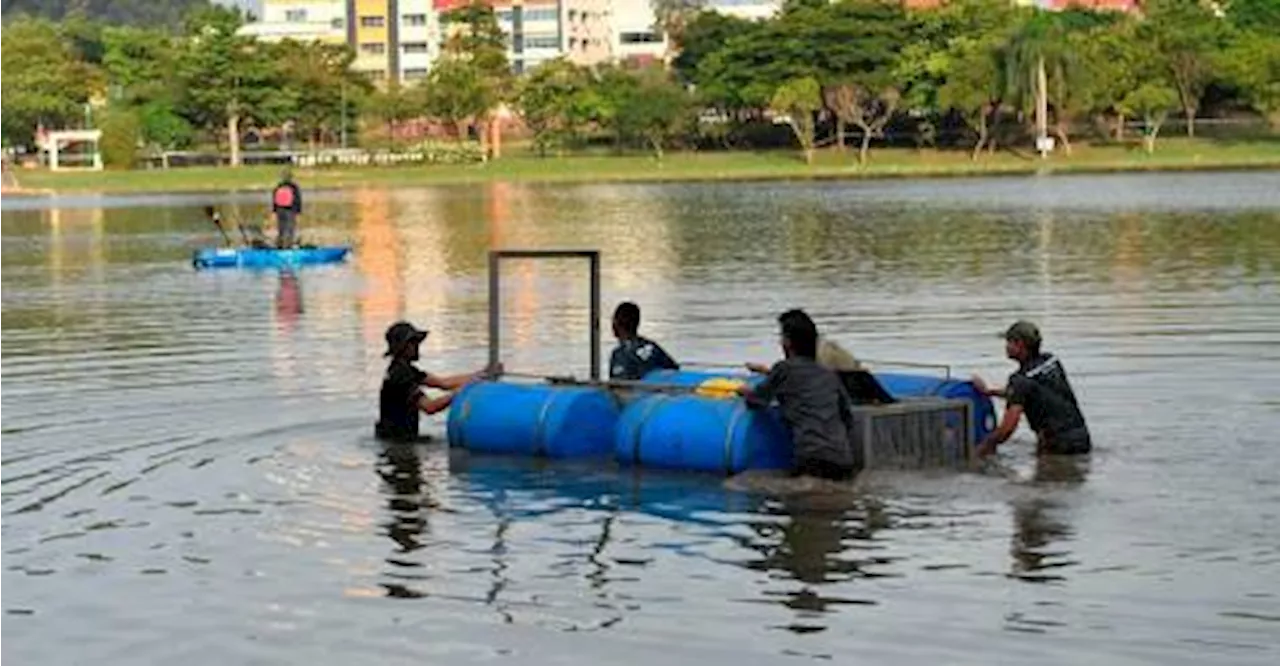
[44,83]
[797,101]
[120,134]
[144,13]
[1038,64]
[1252,64]
[556,100]
[653,109]
[227,79]
[319,84]
[865,107]
[1261,16]
[704,34]
[1112,63]
[479,48]
[673,17]
[973,86]
[458,92]
[1151,101]
[1187,36]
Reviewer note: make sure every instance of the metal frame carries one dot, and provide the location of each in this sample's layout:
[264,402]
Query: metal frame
[495,292]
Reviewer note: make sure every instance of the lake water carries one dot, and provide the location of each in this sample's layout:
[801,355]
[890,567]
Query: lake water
[189,474]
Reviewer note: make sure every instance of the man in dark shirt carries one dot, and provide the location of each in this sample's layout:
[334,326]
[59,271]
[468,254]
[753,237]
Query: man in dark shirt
[635,356]
[401,397]
[814,403]
[286,203]
[1040,390]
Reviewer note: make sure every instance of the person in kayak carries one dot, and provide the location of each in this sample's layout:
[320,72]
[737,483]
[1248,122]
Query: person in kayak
[814,403]
[635,356]
[1040,390]
[401,397]
[286,203]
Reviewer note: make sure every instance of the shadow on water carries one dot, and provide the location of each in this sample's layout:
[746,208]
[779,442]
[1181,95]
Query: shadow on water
[410,500]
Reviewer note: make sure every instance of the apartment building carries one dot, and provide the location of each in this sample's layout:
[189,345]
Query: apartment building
[303,20]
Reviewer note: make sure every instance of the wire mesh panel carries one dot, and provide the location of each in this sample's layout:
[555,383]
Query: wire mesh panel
[914,434]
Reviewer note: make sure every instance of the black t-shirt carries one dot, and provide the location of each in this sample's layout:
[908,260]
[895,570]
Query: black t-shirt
[1041,388]
[815,407]
[634,358]
[398,401]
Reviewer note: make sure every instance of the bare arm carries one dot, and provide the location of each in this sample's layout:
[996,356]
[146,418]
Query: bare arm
[455,382]
[435,405]
[989,391]
[1012,414]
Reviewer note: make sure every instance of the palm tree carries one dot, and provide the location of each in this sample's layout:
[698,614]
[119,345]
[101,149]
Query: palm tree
[1035,55]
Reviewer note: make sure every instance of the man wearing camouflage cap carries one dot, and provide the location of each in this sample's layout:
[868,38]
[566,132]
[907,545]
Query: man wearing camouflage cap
[1040,390]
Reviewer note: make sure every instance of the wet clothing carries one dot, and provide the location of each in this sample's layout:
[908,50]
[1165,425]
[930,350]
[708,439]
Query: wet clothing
[398,402]
[635,357]
[1041,388]
[817,409]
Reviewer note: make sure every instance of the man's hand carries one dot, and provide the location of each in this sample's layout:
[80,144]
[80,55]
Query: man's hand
[981,385]
[985,449]
[492,371]
[758,368]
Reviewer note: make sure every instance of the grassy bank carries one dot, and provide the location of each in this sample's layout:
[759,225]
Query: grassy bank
[520,166]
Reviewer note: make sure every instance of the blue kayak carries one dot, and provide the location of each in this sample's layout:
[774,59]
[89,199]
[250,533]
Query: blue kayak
[252,257]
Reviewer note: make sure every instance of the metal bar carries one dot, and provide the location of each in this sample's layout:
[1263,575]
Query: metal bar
[495,307]
[595,316]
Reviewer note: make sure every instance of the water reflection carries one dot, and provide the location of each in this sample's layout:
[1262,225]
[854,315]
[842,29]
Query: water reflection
[1042,530]
[409,501]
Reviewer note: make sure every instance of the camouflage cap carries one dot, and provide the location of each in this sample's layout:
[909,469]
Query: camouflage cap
[1023,331]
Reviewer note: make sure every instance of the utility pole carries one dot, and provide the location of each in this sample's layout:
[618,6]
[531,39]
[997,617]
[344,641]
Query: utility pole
[1042,110]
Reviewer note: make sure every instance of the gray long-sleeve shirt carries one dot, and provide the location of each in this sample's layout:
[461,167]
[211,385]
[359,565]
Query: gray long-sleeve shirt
[815,407]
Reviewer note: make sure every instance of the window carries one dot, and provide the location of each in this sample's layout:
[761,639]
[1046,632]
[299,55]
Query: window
[415,73]
[639,38]
[541,42]
[541,14]
[373,21]
[415,47]
[415,20]
[518,66]
[573,14]
[338,23]
[377,74]
[373,48]
[295,15]
[503,15]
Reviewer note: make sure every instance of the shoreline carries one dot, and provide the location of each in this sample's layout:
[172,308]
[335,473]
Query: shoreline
[781,166]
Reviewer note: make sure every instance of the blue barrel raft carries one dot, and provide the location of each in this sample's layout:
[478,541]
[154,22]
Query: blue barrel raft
[902,386]
[693,432]
[254,257]
[533,419]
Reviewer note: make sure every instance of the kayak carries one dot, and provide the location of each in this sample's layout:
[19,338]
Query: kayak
[253,257]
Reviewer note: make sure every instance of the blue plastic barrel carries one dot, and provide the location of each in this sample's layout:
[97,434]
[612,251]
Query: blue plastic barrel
[533,419]
[914,386]
[694,379]
[698,433]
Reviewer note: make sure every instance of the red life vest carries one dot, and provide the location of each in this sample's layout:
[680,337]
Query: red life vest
[283,197]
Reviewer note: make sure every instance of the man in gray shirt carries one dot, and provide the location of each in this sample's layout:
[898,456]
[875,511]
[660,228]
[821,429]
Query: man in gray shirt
[814,403]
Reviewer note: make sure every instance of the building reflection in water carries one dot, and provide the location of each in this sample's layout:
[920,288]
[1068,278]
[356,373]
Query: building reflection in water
[1041,531]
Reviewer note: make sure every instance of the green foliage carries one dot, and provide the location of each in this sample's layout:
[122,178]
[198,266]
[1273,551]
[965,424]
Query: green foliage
[557,101]
[1186,36]
[703,35]
[1152,102]
[458,91]
[798,100]
[121,132]
[648,106]
[1252,64]
[1260,16]
[43,81]
[318,84]
[145,13]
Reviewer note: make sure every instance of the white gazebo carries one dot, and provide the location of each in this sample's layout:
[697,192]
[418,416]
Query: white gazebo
[54,142]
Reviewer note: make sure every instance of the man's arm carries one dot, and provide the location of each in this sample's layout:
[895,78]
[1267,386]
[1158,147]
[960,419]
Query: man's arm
[1002,433]
[765,391]
[455,382]
[664,359]
[435,405]
[989,391]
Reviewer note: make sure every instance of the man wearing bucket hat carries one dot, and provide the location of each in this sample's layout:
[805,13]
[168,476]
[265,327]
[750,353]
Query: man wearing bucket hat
[401,397]
[1040,390]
